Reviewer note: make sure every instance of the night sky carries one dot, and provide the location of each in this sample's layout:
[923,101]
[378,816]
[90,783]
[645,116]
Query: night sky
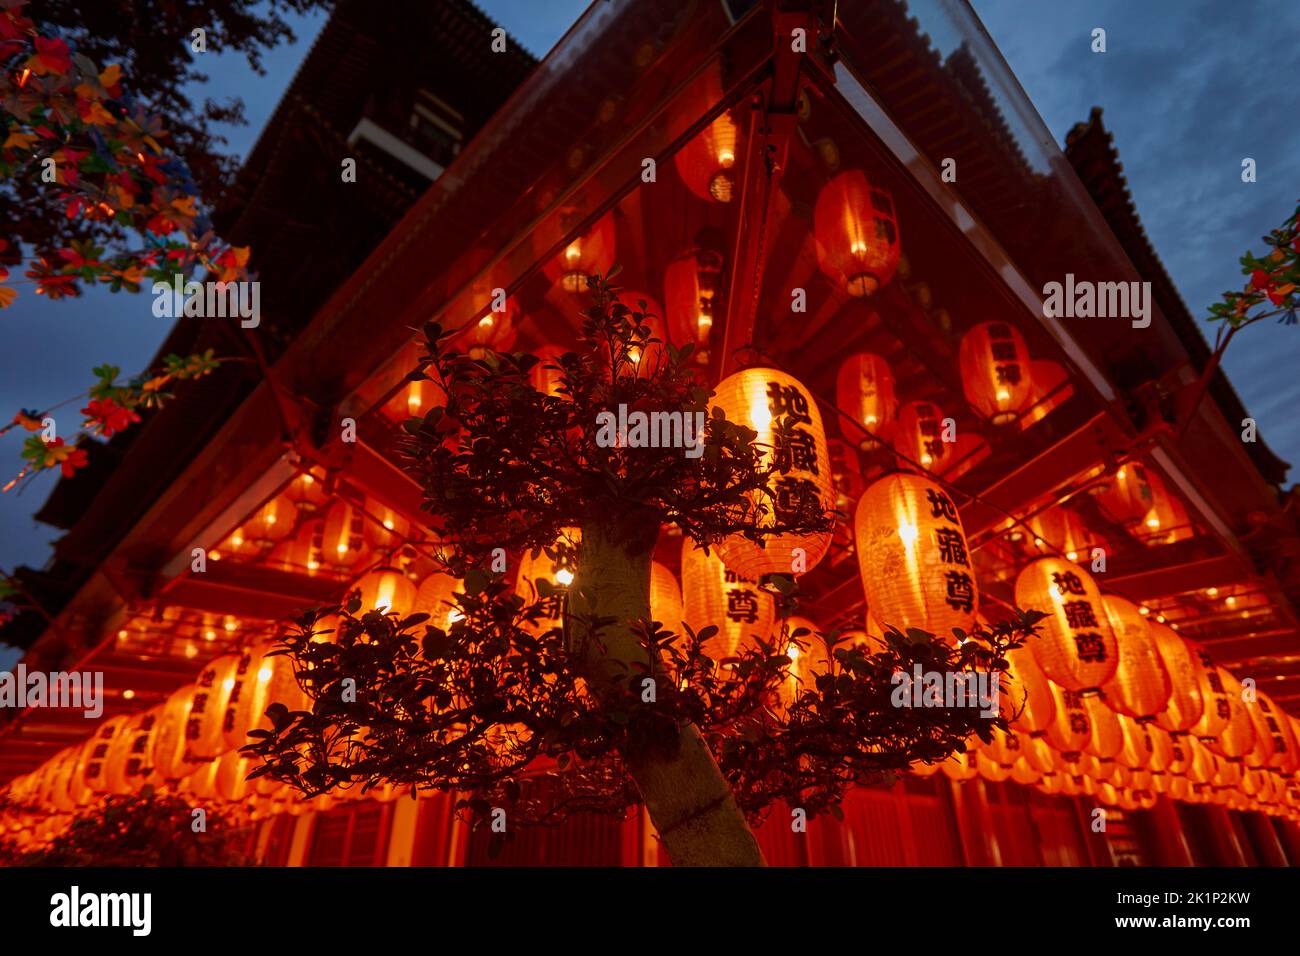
[1188,90]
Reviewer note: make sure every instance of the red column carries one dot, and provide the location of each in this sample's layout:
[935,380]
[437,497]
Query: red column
[979,839]
[1289,834]
[1263,839]
[1165,830]
[1220,837]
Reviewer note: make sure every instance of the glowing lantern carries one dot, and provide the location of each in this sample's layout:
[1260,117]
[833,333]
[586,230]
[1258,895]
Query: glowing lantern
[1237,738]
[665,598]
[238,544]
[1281,726]
[1024,690]
[201,782]
[496,329]
[545,376]
[652,319]
[919,434]
[1268,733]
[272,522]
[1138,749]
[231,777]
[170,743]
[1185,705]
[270,680]
[1076,647]
[343,538]
[960,766]
[55,790]
[131,753]
[990,769]
[1038,753]
[244,678]
[1060,529]
[856,234]
[714,594]
[302,552]
[1140,686]
[413,400]
[760,398]
[1071,727]
[1126,497]
[707,162]
[995,371]
[583,256]
[864,389]
[805,662]
[556,570]
[385,527]
[203,727]
[94,766]
[307,492]
[1107,738]
[1217,710]
[436,597]
[1167,521]
[387,590]
[912,552]
[1004,748]
[692,287]
[1023,773]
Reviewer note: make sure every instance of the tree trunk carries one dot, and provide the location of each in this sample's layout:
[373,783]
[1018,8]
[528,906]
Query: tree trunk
[687,797]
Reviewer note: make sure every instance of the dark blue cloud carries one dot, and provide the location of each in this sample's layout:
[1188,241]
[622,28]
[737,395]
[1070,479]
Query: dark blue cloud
[1188,91]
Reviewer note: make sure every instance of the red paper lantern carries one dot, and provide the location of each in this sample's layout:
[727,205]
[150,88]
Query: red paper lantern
[170,744]
[1075,647]
[1061,529]
[665,598]
[1025,690]
[1140,686]
[203,727]
[1071,726]
[913,556]
[436,598]
[692,294]
[556,570]
[714,594]
[592,252]
[856,234]
[1218,709]
[1185,705]
[343,537]
[1237,738]
[272,522]
[995,371]
[1106,740]
[919,436]
[759,398]
[864,390]
[707,162]
[387,590]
